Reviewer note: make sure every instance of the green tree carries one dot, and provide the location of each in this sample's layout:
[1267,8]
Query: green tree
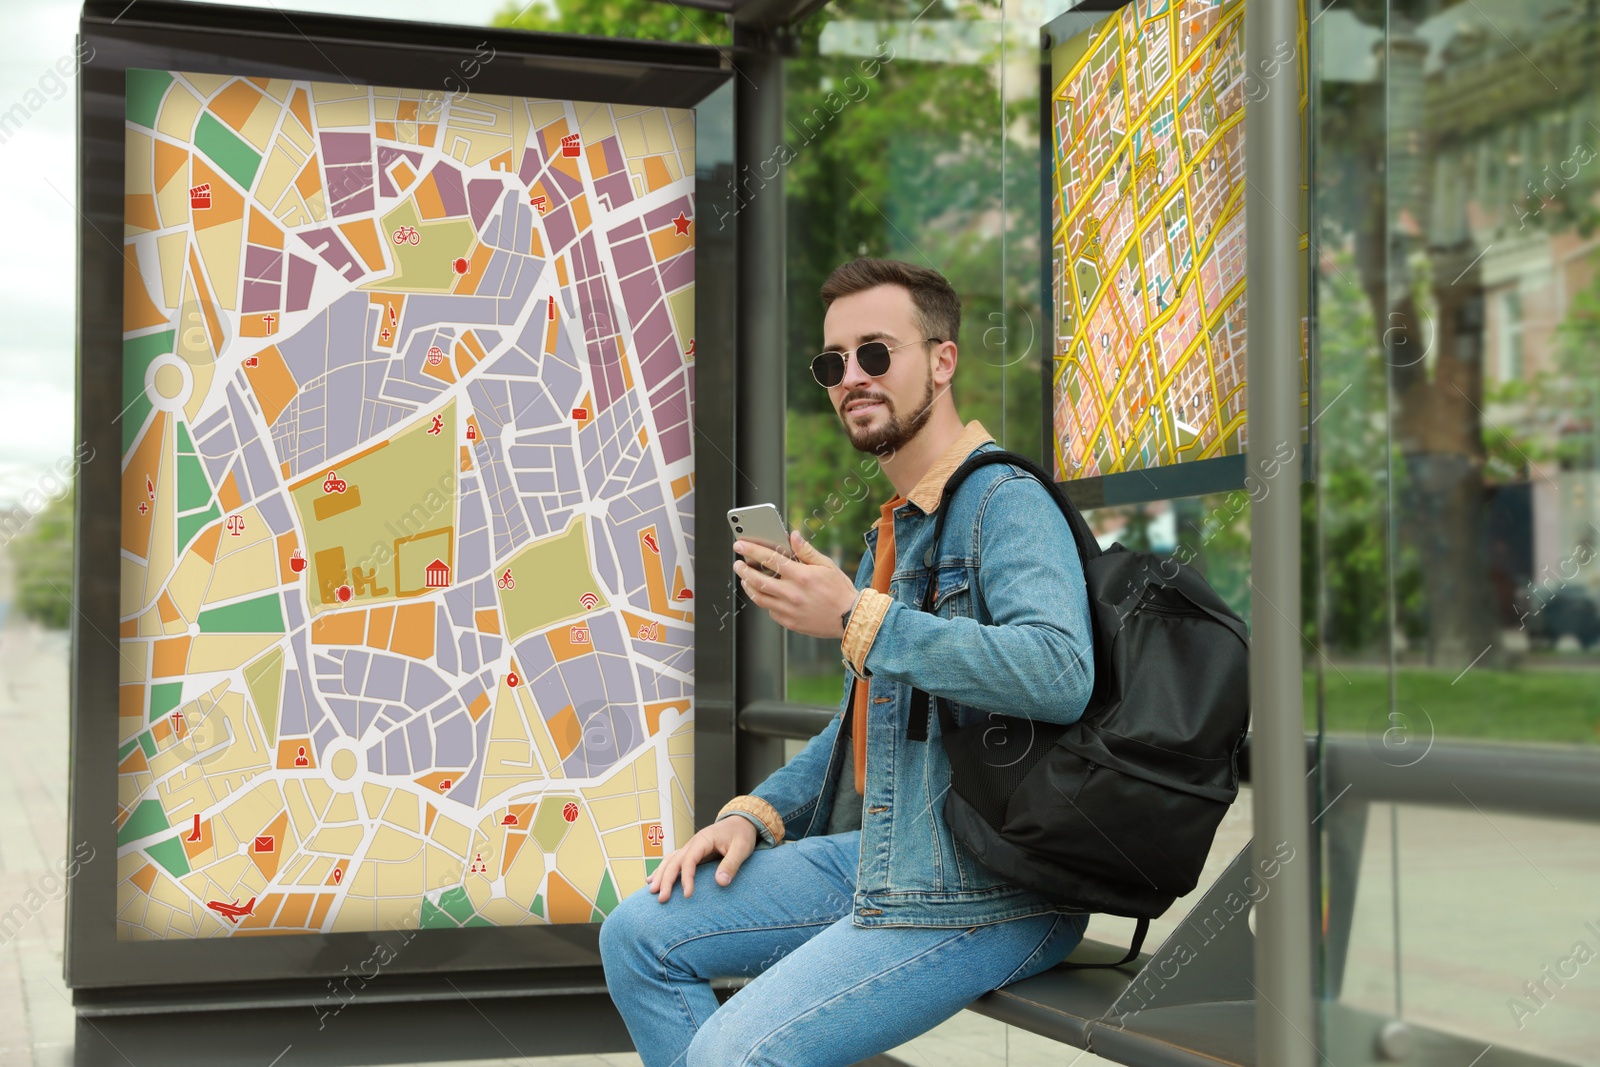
[41,557]
[646,20]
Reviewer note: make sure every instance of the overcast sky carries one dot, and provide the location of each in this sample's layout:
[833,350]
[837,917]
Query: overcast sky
[37,183]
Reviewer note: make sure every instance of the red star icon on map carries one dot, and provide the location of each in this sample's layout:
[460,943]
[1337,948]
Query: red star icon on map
[681,224]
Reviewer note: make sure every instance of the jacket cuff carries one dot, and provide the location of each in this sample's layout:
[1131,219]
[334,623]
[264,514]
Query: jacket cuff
[871,607]
[763,838]
[763,812]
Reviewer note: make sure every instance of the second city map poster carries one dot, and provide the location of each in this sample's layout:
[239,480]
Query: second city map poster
[1147,233]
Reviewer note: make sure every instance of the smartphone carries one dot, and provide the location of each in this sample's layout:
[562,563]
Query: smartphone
[760,524]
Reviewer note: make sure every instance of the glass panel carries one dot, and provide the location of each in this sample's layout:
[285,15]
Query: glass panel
[1496,939]
[914,135]
[1491,301]
[1457,521]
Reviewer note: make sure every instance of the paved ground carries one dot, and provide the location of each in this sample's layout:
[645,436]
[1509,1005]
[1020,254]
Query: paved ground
[1486,903]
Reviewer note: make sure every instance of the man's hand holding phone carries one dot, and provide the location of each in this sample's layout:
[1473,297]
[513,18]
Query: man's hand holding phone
[806,594]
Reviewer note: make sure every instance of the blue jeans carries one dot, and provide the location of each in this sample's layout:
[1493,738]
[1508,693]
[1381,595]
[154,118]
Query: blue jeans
[826,992]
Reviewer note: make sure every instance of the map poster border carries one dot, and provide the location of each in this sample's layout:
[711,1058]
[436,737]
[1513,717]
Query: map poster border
[269,44]
[1162,482]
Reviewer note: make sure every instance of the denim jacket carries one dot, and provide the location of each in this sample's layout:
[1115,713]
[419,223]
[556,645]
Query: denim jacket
[1009,633]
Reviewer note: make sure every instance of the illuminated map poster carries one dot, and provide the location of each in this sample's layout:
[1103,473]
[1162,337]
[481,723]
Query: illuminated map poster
[407,507]
[1148,233]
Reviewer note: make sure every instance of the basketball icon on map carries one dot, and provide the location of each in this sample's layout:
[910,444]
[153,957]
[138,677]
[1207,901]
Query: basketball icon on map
[344,593]
[461,266]
[569,812]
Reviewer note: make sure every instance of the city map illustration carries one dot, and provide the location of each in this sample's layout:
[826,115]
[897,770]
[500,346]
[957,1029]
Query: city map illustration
[1148,234]
[407,507]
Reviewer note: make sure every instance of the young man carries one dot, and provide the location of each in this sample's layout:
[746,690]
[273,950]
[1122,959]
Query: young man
[873,925]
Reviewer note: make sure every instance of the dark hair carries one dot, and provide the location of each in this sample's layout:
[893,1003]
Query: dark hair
[938,309]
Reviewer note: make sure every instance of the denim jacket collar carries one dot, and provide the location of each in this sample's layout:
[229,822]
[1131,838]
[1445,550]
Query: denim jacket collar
[930,487]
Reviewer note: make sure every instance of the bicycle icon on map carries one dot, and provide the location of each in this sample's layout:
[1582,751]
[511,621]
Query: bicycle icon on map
[407,235]
[506,581]
[334,484]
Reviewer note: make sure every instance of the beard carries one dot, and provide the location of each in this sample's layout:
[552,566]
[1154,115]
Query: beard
[894,432]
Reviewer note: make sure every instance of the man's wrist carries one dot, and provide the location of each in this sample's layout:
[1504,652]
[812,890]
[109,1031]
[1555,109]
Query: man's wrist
[844,619]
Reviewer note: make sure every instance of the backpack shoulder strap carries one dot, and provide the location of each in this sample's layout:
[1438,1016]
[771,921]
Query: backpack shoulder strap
[1088,548]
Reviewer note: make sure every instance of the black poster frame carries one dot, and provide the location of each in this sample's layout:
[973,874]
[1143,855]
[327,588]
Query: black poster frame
[165,35]
[1147,484]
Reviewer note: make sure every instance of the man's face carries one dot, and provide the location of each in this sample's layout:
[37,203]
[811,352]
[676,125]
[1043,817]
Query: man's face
[880,414]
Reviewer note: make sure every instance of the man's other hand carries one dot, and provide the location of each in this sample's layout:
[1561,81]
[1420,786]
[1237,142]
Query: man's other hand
[732,837]
[809,593]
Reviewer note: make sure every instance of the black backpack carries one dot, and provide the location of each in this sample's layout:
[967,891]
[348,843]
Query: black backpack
[1116,812]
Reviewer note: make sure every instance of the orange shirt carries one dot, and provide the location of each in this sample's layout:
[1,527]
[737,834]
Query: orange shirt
[882,571]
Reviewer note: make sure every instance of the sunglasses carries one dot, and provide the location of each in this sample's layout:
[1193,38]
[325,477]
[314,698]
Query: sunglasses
[872,357]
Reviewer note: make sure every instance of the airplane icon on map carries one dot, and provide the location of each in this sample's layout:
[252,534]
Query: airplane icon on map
[233,911]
